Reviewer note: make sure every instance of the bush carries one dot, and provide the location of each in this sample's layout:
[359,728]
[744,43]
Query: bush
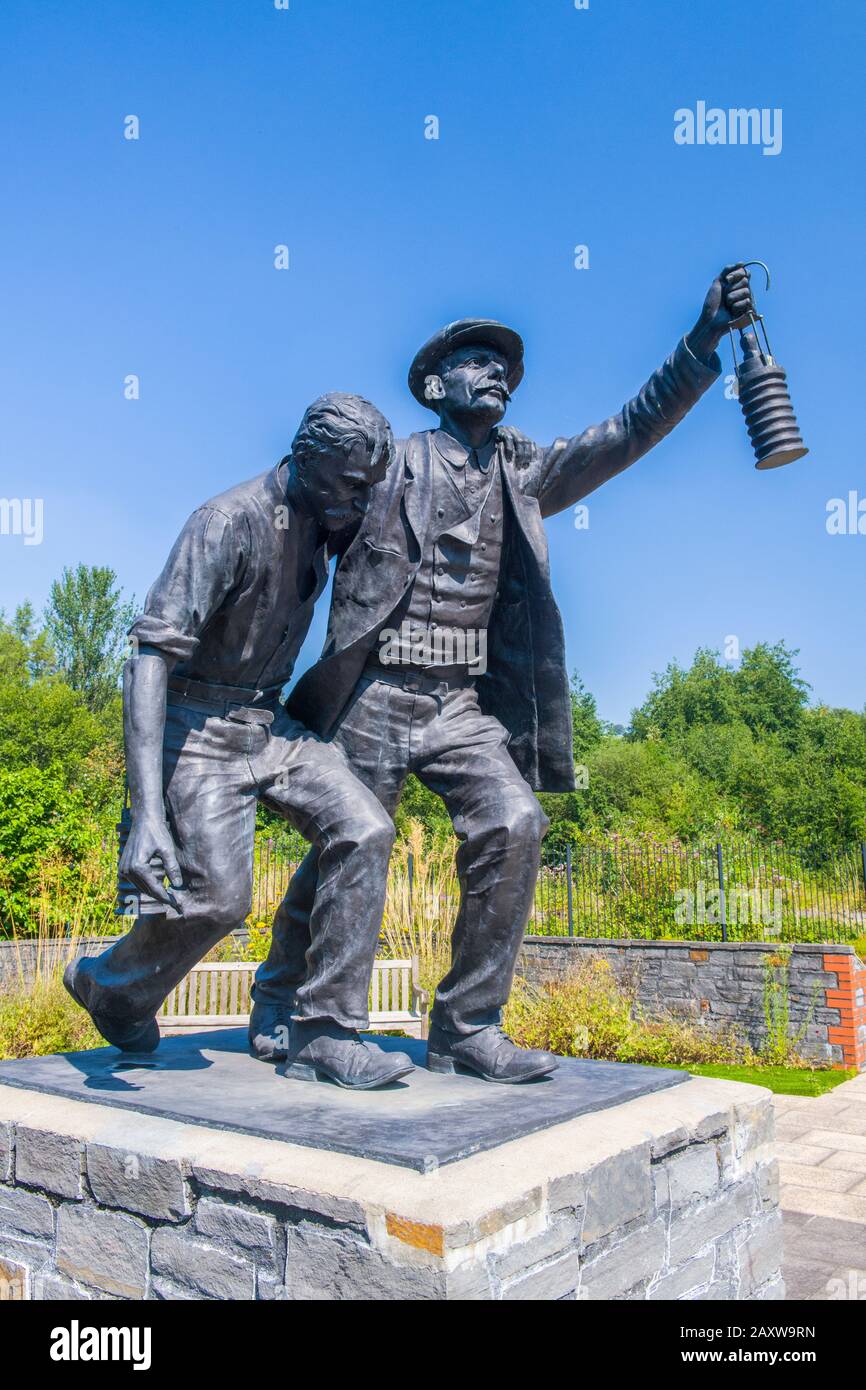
[57,864]
[591,1014]
[39,1017]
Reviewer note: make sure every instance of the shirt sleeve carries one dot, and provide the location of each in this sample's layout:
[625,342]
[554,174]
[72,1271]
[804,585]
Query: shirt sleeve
[205,563]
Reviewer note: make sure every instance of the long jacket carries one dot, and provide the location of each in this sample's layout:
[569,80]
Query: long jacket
[526,683]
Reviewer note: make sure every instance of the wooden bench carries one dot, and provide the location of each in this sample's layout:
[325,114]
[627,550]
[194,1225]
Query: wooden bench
[218,996]
[210,996]
[397,1003]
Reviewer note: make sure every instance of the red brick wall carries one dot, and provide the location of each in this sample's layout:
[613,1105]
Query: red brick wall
[849,997]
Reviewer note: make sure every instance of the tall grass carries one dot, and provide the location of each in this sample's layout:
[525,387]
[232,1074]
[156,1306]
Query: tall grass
[420,906]
[591,1013]
[64,899]
[37,1016]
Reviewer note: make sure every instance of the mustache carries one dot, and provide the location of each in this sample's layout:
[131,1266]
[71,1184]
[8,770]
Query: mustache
[494,386]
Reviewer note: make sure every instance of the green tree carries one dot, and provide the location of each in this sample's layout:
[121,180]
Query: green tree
[46,833]
[86,622]
[680,699]
[766,693]
[821,796]
[587,730]
[46,724]
[420,804]
[636,786]
[25,653]
[771,694]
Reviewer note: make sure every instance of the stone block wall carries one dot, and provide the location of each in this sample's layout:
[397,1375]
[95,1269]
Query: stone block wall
[24,958]
[670,1196]
[721,985]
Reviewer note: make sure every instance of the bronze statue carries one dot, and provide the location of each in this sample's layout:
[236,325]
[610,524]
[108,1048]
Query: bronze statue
[447,540]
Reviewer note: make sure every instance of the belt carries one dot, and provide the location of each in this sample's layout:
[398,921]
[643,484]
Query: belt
[418,681]
[210,694]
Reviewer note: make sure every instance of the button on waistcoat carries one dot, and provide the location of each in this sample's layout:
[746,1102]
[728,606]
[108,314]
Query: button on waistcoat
[459,572]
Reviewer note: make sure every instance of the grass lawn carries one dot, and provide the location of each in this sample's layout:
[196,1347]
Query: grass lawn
[785,1081]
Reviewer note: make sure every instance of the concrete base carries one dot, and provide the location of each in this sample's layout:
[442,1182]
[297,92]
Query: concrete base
[670,1195]
[420,1122]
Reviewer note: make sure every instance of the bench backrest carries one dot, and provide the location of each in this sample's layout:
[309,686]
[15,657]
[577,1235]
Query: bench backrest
[391,987]
[221,989]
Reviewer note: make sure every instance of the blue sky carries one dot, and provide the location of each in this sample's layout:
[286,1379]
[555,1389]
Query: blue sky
[305,127]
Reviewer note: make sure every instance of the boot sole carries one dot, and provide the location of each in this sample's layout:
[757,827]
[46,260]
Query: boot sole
[303,1071]
[145,1043]
[448,1066]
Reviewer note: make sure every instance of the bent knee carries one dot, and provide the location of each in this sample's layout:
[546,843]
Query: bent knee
[221,905]
[374,830]
[367,826]
[524,822]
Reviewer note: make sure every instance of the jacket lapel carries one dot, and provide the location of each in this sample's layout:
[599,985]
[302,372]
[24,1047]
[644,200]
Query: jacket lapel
[418,492]
[528,517]
[376,569]
[526,686]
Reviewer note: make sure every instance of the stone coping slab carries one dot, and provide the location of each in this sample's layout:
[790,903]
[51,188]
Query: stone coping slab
[422,1122]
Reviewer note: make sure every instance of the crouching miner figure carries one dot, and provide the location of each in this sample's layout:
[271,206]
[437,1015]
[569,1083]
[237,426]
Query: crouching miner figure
[206,738]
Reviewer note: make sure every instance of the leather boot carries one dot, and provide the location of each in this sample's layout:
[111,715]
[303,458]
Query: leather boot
[319,1048]
[270,1024]
[489,1053]
[130,1035]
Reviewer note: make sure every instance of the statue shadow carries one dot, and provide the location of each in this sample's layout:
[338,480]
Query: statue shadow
[112,1071]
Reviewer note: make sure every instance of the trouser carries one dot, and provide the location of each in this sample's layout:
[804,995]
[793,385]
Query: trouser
[460,753]
[218,762]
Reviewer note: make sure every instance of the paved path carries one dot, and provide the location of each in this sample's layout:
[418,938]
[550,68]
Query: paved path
[821,1144]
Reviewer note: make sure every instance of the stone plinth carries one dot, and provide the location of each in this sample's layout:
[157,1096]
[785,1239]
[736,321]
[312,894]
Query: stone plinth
[421,1122]
[672,1194]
